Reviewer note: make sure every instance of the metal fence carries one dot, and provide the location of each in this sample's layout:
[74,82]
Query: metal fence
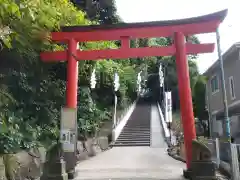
[235,149]
[221,152]
[213,145]
[224,151]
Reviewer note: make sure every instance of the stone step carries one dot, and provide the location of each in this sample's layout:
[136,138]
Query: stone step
[129,131]
[135,139]
[143,138]
[137,128]
[135,135]
[132,144]
[135,132]
[138,125]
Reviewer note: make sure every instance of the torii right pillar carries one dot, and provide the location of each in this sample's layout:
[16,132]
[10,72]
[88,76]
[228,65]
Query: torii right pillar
[185,95]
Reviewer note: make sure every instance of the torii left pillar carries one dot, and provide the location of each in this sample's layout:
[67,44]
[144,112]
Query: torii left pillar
[72,75]
[185,95]
[71,100]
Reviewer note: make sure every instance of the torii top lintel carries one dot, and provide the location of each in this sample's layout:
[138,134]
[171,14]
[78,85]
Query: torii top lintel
[202,24]
[126,31]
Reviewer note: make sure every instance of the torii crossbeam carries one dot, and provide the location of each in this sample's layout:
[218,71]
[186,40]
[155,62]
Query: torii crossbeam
[71,35]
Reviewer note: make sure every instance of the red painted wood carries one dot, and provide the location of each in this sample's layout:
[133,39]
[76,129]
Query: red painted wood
[185,95]
[144,32]
[125,42]
[72,75]
[199,48]
[126,53]
[55,56]
[220,15]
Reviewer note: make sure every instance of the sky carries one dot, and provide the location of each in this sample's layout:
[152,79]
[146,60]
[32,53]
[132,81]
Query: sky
[156,10]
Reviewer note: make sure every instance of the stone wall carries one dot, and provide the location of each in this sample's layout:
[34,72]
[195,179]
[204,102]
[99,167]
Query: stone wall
[22,165]
[2,169]
[30,164]
[93,146]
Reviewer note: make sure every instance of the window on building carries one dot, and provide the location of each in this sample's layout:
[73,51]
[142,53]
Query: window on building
[231,85]
[214,84]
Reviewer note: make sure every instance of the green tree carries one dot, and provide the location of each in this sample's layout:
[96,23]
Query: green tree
[103,11]
[32,92]
[199,98]
[169,64]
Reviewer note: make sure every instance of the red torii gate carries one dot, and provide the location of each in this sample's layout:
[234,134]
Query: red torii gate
[71,35]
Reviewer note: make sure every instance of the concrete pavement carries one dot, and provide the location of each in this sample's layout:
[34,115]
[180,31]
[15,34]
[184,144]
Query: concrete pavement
[131,162]
[134,163]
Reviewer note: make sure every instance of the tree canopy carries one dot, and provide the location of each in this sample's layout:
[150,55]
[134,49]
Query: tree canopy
[102,11]
[199,98]
[32,92]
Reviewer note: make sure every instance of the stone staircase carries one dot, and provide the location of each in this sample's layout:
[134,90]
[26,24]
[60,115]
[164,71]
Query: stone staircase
[137,130]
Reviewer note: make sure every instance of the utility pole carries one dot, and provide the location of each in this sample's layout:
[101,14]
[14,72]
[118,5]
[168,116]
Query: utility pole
[224,96]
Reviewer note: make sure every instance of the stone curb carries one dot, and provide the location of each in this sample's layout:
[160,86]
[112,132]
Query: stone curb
[224,168]
[176,157]
[167,139]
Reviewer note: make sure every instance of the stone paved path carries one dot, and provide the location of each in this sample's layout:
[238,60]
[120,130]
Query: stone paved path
[131,162]
[134,163]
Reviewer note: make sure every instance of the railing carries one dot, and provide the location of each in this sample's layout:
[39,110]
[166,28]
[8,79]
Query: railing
[164,125]
[225,151]
[221,153]
[235,150]
[213,145]
[121,113]
[122,120]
